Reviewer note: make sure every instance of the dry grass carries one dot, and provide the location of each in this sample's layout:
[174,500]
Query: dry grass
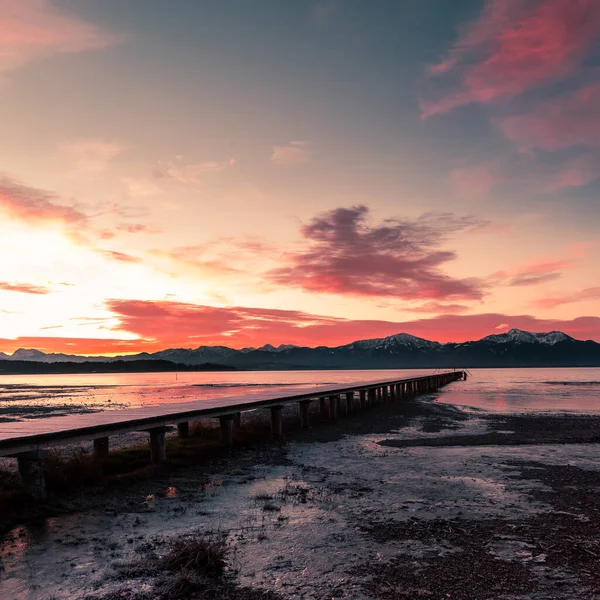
[200,554]
[193,567]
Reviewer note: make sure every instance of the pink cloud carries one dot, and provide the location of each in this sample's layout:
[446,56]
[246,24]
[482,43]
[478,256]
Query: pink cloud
[293,153]
[540,272]
[439,308]
[513,46]
[33,29]
[24,288]
[120,256]
[591,293]
[544,270]
[180,324]
[33,205]
[344,254]
[163,324]
[575,172]
[569,120]
[476,180]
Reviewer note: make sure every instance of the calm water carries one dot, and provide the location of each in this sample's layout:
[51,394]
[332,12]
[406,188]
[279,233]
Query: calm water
[499,390]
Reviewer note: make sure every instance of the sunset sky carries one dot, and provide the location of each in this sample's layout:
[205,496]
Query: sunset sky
[177,173]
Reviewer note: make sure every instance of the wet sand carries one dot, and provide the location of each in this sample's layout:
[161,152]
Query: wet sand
[405,501]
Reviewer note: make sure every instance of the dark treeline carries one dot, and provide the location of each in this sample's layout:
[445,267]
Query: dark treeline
[16,367]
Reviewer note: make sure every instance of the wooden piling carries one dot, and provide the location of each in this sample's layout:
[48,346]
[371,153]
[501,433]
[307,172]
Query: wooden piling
[304,413]
[363,398]
[31,471]
[183,429]
[158,444]
[237,422]
[333,407]
[323,409]
[276,421]
[349,402]
[226,424]
[101,448]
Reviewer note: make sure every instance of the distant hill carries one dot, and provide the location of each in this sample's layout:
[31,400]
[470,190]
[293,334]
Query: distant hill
[32,367]
[515,348]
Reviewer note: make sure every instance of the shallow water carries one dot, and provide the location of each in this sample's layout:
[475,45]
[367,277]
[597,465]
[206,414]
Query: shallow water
[528,390]
[498,390]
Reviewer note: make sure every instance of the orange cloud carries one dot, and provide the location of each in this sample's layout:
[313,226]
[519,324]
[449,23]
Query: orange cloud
[513,46]
[163,324]
[190,325]
[24,288]
[120,256]
[33,205]
[33,29]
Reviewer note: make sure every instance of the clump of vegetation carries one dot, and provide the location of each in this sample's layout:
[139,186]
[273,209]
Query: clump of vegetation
[192,567]
[200,554]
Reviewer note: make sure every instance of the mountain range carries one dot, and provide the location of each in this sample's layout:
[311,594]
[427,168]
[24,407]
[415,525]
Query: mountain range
[515,348]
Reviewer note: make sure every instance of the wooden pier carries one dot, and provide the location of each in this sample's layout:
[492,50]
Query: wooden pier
[28,441]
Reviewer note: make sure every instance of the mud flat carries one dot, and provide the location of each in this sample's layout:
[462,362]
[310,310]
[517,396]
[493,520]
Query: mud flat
[404,501]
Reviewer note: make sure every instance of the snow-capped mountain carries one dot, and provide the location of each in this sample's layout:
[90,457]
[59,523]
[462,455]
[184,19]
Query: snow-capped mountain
[393,341]
[517,336]
[280,348]
[515,348]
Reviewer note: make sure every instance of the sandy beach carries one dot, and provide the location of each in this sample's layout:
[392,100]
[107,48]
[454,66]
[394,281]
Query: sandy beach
[419,500]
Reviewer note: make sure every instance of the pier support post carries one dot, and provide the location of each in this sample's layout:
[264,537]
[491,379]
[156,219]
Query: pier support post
[323,408]
[237,422]
[304,414]
[363,398]
[333,407]
[276,421]
[183,429]
[226,424]
[349,402]
[101,448]
[31,471]
[372,396]
[158,444]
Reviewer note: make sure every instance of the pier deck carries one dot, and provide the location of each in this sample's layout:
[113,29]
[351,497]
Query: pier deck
[28,440]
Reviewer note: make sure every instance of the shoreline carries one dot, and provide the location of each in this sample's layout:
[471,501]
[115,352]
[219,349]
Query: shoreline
[383,504]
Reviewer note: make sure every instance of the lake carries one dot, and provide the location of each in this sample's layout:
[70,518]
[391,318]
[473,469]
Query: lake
[498,390]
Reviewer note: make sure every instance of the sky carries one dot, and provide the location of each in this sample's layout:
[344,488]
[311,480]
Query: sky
[178,173]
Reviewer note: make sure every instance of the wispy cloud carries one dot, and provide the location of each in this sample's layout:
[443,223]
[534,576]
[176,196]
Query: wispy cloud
[120,256]
[24,288]
[91,155]
[34,29]
[572,119]
[344,254]
[591,293]
[33,205]
[186,172]
[476,180]
[294,153]
[514,46]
